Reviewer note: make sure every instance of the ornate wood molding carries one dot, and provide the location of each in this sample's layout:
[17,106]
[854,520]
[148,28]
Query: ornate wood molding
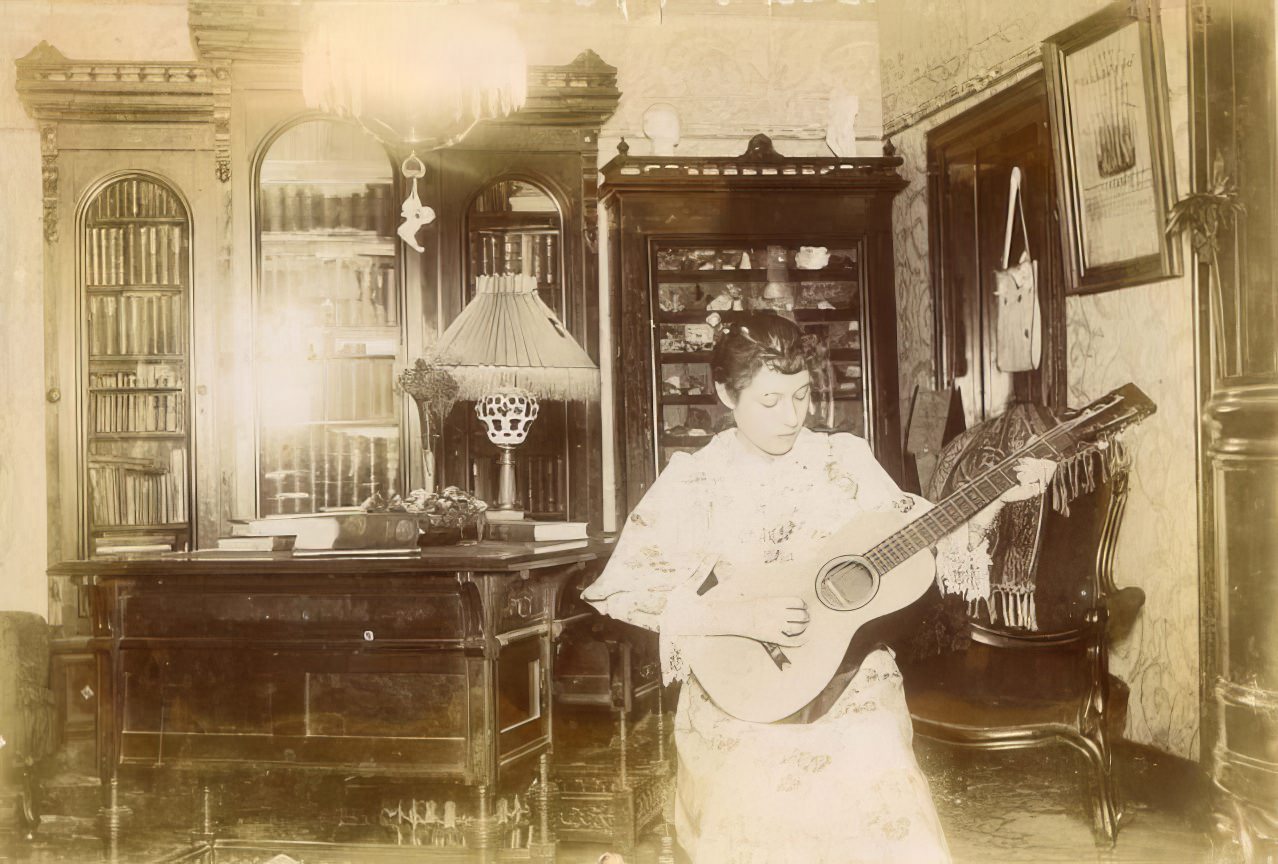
[49,179]
[54,88]
[581,93]
[760,167]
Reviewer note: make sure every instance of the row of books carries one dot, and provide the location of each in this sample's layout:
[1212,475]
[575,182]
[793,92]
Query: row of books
[538,481]
[135,491]
[137,412]
[310,468]
[135,198]
[144,376]
[352,291]
[530,254]
[135,544]
[135,255]
[298,207]
[131,323]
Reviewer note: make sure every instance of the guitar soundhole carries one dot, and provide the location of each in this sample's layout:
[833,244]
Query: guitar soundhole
[845,584]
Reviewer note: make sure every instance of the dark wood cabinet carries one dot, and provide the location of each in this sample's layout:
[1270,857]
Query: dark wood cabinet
[432,668]
[689,236]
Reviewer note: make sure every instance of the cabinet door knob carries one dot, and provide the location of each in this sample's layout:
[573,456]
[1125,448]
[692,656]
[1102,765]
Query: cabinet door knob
[53,395]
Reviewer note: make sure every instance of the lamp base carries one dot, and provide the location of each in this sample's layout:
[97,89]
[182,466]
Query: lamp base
[504,515]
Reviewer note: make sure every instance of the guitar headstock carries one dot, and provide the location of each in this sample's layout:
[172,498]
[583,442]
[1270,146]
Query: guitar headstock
[1110,413]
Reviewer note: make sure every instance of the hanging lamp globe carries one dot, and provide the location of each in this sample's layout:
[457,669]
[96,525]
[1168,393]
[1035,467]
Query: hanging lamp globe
[417,75]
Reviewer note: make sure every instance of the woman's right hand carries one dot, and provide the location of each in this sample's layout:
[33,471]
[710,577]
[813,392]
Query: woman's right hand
[776,620]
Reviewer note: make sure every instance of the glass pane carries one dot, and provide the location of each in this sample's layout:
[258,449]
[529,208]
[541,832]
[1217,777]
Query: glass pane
[135,252]
[515,227]
[818,287]
[330,334]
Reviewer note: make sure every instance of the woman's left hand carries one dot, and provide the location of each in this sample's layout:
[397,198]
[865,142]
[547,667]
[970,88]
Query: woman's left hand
[1032,477]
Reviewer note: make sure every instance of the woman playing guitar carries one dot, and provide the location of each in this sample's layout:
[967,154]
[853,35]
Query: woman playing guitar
[839,784]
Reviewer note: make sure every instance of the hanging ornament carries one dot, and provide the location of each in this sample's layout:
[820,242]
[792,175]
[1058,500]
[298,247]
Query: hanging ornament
[414,212]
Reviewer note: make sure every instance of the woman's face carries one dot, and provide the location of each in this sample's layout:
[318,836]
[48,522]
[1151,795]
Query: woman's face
[770,410]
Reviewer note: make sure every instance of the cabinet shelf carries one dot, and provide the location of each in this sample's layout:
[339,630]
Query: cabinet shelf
[681,399]
[839,354]
[757,274]
[139,220]
[304,243]
[135,289]
[120,436]
[809,316]
[137,389]
[177,527]
[671,440]
[137,358]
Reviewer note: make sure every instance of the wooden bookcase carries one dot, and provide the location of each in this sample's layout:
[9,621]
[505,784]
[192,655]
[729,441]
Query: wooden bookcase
[135,267]
[687,236]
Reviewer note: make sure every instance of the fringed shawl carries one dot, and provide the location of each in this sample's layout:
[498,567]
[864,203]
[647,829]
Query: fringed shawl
[1015,535]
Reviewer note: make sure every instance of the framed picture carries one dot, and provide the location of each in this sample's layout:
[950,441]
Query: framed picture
[1112,148]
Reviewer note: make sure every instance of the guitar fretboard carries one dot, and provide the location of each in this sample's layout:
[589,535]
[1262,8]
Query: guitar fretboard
[960,506]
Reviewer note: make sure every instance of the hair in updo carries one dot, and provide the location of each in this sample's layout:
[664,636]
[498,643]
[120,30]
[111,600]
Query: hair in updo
[746,345]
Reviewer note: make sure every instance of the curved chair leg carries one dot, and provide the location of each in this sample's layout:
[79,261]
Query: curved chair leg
[1107,807]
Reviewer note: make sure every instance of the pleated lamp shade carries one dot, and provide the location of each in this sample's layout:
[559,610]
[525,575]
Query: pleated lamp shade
[508,337]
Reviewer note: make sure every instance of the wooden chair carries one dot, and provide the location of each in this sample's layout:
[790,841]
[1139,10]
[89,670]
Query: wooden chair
[611,789]
[27,721]
[1016,688]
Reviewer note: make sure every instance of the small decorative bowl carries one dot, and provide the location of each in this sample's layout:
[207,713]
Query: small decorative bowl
[436,532]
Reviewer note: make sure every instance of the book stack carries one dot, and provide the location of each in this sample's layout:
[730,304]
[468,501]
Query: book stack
[545,535]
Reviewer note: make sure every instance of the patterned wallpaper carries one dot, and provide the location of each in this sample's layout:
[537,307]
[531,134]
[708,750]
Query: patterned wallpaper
[933,51]
[727,77]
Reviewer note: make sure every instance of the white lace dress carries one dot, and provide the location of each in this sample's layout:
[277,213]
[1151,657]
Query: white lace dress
[845,788]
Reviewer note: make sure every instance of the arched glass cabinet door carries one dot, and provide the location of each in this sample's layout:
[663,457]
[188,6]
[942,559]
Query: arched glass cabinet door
[514,226]
[136,276]
[328,321]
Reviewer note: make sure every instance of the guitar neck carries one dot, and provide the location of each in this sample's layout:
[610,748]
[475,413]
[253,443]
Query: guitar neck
[957,508]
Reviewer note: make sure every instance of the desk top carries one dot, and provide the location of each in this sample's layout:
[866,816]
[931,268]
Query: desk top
[488,556]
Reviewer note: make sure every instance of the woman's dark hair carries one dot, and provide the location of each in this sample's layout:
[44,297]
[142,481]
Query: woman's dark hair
[747,344]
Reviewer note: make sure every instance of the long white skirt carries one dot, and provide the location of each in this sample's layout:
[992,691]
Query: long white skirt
[842,790]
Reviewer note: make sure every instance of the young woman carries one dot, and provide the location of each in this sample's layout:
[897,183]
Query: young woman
[844,787]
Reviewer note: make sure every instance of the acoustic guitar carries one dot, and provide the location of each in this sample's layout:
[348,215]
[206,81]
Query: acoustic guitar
[860,579]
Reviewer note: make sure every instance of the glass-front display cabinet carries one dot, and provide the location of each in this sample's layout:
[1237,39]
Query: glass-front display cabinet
[136,274]
[690,237]
[328,321]
[817,286]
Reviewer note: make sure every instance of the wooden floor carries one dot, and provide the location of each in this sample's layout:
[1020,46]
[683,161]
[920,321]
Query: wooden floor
[1024,806]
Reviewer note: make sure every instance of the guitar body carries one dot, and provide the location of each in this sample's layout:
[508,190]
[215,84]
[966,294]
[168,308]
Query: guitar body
[848,602]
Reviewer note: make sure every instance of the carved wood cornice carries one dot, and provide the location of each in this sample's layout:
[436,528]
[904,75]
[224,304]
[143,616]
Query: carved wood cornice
[54,88]
[760,167]
[581,93]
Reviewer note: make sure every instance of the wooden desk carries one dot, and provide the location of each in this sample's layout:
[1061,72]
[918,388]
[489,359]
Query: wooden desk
[433,666]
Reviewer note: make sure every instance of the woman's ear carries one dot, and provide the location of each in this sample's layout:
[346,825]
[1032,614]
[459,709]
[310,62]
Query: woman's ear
[724,396]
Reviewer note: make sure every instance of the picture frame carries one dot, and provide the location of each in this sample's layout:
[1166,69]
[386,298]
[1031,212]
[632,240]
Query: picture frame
[1112,151]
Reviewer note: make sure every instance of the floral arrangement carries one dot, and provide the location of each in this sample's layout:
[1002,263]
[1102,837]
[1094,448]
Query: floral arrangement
[435,391]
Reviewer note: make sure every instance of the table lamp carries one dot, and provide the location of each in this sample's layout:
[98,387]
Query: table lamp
[507,349]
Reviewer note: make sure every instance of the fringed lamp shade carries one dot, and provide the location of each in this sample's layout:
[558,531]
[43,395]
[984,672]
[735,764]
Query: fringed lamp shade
[508,337]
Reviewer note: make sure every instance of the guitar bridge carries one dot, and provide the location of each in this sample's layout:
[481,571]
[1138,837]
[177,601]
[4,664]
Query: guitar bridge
[777,655]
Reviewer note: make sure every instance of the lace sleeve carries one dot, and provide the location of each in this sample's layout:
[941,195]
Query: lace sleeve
[661,548]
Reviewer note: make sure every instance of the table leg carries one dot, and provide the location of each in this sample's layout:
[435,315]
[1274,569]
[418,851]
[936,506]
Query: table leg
[543,846]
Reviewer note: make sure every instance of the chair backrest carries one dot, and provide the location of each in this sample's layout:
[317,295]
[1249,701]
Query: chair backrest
[1067,557]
